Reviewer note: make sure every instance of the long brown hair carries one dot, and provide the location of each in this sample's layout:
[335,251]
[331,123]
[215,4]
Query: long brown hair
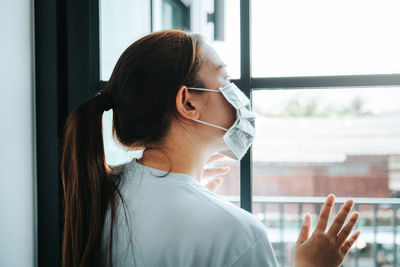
[142,88]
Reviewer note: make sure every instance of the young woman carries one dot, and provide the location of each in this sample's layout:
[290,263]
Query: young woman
[171,96]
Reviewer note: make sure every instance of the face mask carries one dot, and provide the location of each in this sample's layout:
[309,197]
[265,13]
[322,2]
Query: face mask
[240,135]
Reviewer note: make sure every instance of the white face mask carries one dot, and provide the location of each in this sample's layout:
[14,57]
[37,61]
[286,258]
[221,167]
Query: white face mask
[240,135]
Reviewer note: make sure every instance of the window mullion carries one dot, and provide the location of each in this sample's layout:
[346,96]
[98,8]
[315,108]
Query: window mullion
[245,84]
[326,81]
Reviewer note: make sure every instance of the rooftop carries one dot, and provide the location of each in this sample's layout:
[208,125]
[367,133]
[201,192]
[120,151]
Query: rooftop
[323,139]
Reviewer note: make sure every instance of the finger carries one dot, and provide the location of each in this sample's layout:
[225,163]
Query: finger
[214,184]
[305,229]
[340,218]
[347,229]
[349,243]
[325,213]
[211,172]
[215,157]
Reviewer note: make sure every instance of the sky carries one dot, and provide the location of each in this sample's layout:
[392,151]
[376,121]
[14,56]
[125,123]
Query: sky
[315,37]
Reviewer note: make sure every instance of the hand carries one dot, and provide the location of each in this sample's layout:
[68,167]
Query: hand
[326,249]
[216,182]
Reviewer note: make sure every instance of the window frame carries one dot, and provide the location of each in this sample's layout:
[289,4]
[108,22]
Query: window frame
[67,72]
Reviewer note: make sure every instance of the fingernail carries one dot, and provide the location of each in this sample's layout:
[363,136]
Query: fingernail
[307,219]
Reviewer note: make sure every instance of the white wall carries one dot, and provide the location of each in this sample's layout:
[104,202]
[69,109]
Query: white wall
[17,167]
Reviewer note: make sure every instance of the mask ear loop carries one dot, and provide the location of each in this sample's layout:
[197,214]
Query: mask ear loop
[203,122]
[204,89]
[213,125]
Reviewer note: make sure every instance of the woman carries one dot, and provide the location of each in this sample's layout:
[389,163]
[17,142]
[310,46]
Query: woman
[171,95]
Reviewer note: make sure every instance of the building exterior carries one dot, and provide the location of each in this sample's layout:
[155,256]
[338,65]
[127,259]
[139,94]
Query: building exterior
[312,156]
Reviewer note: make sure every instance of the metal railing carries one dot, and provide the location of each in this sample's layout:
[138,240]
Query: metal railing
[378,224]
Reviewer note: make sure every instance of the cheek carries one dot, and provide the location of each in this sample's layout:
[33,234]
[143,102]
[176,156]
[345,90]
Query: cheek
[229,114]
[220,112]
[233,114]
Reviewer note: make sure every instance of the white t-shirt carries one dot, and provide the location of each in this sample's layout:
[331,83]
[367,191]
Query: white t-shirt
[175,221]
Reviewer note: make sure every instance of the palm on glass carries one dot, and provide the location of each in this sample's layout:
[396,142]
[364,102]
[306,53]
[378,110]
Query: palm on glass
[326,248]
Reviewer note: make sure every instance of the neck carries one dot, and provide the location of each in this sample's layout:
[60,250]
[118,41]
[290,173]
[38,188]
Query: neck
[183,157]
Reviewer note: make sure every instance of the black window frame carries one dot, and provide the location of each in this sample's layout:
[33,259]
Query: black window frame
[67,68]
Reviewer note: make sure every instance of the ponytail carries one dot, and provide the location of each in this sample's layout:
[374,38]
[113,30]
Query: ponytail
[89,184]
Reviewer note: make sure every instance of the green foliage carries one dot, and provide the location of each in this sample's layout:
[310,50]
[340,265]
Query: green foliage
[312,108]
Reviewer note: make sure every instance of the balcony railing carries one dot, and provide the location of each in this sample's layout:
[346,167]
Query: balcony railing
[378,223]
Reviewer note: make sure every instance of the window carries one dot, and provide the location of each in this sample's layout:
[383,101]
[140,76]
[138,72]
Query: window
[324,78]
[123,23]
[335,133]
[175,15]
[120,25]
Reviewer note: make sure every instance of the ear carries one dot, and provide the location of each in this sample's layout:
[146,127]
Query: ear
[186,104]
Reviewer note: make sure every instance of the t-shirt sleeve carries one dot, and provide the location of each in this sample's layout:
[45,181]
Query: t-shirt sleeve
[259,253]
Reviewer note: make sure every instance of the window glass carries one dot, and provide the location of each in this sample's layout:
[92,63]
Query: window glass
[120,25]
[320,141]
[217,20]
[313,37]
[175,15]
[313,142]
[123,23]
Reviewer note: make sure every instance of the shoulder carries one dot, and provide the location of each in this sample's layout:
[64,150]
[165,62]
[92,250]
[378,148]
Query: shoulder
[258,253]
[248,237]
[242,222]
